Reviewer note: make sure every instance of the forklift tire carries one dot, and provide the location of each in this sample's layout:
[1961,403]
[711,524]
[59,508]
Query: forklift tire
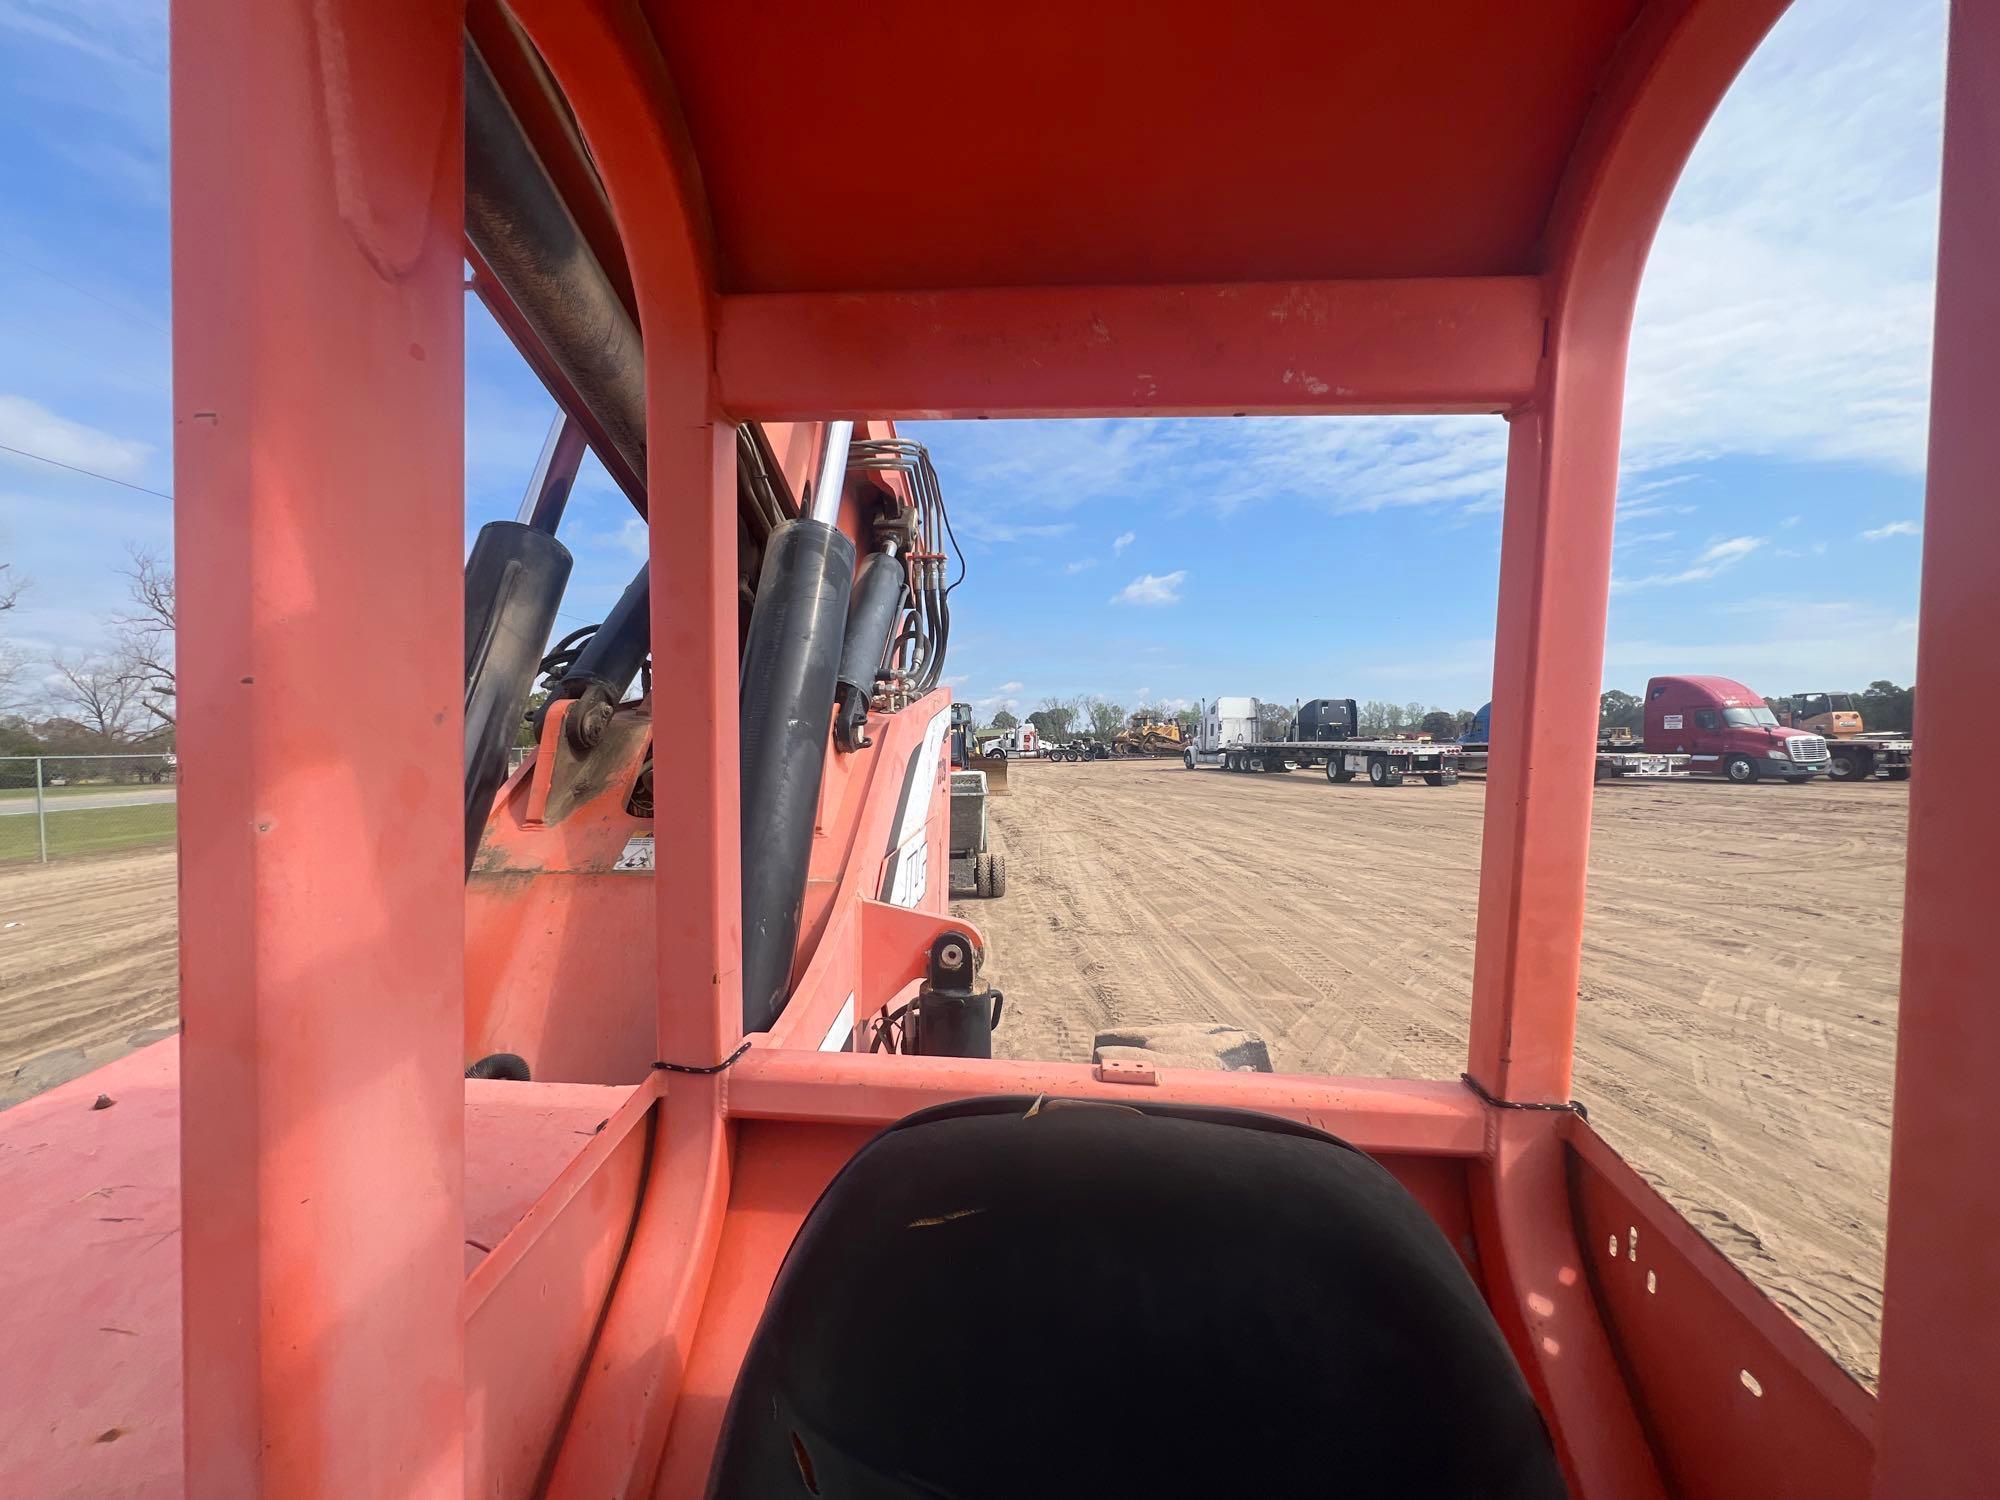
[1381,773]
[1740,769]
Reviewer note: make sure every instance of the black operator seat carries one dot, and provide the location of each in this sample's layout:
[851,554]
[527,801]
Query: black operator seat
[1012,1297]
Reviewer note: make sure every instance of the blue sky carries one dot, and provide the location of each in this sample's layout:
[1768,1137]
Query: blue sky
[1769,508]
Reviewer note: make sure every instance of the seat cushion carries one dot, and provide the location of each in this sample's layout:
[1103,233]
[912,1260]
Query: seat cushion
[1026,1297]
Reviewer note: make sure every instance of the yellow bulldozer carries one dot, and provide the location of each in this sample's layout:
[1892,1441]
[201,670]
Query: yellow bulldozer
[1148,734]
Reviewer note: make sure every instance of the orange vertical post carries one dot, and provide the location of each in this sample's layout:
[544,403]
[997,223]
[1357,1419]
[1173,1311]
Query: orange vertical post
[1548,658]
[1941,1309]
[318,392]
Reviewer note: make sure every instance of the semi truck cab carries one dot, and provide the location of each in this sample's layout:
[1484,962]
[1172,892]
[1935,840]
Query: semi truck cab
[1727,730]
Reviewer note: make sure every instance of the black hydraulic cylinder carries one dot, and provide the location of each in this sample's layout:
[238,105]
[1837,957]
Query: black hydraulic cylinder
[611,658]
[877,605]
[790,664]
[513,582]
[953,1018]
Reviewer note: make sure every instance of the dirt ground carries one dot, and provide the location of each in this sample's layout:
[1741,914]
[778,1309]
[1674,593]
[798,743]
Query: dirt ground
[1739,980]
[1737,1031]
[87,965]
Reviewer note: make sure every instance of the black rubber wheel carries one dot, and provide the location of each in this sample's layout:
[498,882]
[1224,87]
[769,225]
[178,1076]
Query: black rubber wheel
[1899,773]
[1187,759]
[1740,769]
[996,754]
[996,865]
[1846,767]
[982,875]
[1438,778]
[1379,773]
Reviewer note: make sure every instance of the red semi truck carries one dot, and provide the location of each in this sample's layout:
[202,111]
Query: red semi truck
[1724,729]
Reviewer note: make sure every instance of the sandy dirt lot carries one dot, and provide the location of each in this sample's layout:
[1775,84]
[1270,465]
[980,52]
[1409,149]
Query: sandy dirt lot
[1738,1012]
[1739,982]
[87,966]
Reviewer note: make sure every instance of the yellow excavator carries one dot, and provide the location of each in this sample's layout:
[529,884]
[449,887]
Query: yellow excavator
[1148,734]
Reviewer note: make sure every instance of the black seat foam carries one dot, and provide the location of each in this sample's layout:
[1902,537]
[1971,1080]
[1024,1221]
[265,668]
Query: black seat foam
[1011,1297]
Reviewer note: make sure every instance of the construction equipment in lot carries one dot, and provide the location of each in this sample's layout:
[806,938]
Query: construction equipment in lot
[1853,753]
[1324,732]
[1148,734]
[295,1251]
[975,869]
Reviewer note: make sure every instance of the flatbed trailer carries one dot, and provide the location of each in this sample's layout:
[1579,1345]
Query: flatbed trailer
[1382,762]
[1865,756]
[1618,756]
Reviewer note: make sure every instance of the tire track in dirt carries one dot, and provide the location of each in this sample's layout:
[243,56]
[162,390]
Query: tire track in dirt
[1737,1009]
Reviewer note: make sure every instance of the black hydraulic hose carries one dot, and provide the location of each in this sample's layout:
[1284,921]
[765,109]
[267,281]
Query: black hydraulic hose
[790,666]
[514,580]
[518,223]
[871,617]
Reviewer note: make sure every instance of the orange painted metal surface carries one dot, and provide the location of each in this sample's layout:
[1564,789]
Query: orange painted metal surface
[318,399]
[398,1283]
[1733,1396]
[1941,1312]
[1459,344]
[91,1390]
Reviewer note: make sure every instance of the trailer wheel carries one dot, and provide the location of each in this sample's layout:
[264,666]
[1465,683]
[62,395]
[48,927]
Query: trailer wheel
[1381,773]
[1279,764]
[1898,773]
[996,876]
[1440,778]
[1848,767]
[1740,769]
[1336,769]
[1254,764]
[1072,755]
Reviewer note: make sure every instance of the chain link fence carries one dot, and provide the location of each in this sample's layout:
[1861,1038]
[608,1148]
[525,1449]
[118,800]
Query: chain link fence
[64,806]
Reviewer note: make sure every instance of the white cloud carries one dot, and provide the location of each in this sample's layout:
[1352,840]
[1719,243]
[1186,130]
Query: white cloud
[1786,308]
[632,537]
[1082,564]
[983,529]
[1150,588]
[33,427]
[1123,541]
[1894,528]
[1008,687]
[1717,558]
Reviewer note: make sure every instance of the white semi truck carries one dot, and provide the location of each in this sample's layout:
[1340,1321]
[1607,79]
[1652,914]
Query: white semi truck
[1323,732]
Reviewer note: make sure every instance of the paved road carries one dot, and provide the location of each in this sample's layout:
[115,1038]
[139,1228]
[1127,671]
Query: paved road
[138,797]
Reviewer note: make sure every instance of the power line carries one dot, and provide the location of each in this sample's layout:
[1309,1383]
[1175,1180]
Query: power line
[82,291]
[91,473]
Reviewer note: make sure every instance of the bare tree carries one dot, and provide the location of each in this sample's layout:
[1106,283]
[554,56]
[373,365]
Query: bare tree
[146,631]
[11,660]
[103,697]
[1106,718]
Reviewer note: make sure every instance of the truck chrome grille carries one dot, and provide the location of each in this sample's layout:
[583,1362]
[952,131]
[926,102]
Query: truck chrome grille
[1806,747]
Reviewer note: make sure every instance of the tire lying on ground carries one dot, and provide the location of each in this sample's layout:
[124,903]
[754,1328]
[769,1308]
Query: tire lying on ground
[1187,1044]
